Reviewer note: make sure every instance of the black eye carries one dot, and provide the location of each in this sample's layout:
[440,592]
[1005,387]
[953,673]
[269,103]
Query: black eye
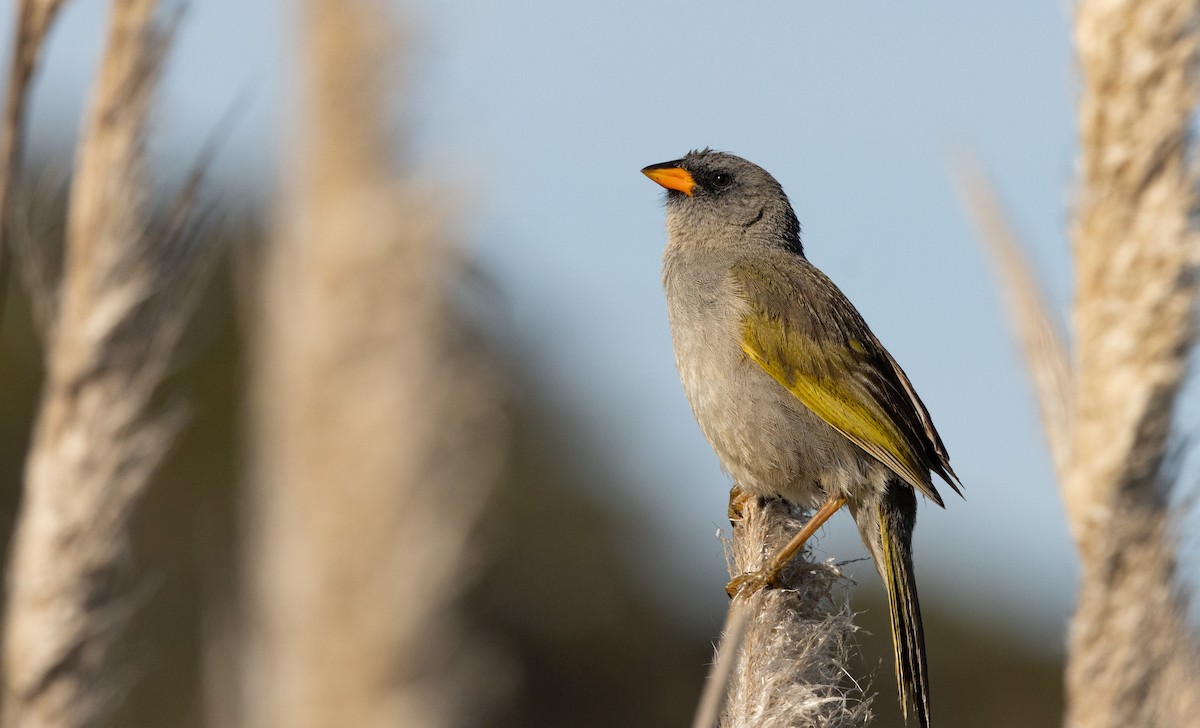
[720,180]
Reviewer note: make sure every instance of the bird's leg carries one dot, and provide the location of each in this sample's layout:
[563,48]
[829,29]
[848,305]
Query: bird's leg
[784,555]
[749,583]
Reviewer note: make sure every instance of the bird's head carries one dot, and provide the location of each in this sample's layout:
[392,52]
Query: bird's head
[720,198]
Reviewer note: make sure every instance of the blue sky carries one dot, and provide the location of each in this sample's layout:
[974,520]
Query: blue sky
[540,114]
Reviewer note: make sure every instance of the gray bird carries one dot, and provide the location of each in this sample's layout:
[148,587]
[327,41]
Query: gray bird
[789,385]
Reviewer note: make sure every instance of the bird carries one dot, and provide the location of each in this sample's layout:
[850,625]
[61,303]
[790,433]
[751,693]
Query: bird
[791,388]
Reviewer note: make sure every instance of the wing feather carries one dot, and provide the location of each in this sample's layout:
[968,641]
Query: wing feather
[819,348]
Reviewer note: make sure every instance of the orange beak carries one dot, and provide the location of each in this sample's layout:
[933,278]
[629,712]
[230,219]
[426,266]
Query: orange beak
[671,176]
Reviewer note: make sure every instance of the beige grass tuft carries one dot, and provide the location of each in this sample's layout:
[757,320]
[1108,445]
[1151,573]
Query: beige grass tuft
[375,419]
[34,18]
[1132,656]
[99,437]
[783,657]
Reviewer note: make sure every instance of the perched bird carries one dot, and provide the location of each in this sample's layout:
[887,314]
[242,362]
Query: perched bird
[789,385]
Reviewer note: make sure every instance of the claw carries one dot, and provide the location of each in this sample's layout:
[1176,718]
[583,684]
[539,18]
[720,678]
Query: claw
[748,584]
[738,499]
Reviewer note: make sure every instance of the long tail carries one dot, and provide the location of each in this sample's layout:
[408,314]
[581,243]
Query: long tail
[897,517]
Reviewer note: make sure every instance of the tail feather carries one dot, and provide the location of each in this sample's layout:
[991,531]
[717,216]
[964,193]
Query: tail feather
[897,516]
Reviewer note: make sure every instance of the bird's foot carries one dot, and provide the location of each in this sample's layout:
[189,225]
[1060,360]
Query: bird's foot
[750,583]
[738,499]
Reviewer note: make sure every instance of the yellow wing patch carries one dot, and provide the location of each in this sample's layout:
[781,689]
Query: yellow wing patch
[856,417]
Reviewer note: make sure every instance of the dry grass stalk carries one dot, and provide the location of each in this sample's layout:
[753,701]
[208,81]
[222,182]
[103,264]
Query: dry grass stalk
[790,670]
[1132,657]
[372,421]
[124,296]
[1038,330]
[34,18]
